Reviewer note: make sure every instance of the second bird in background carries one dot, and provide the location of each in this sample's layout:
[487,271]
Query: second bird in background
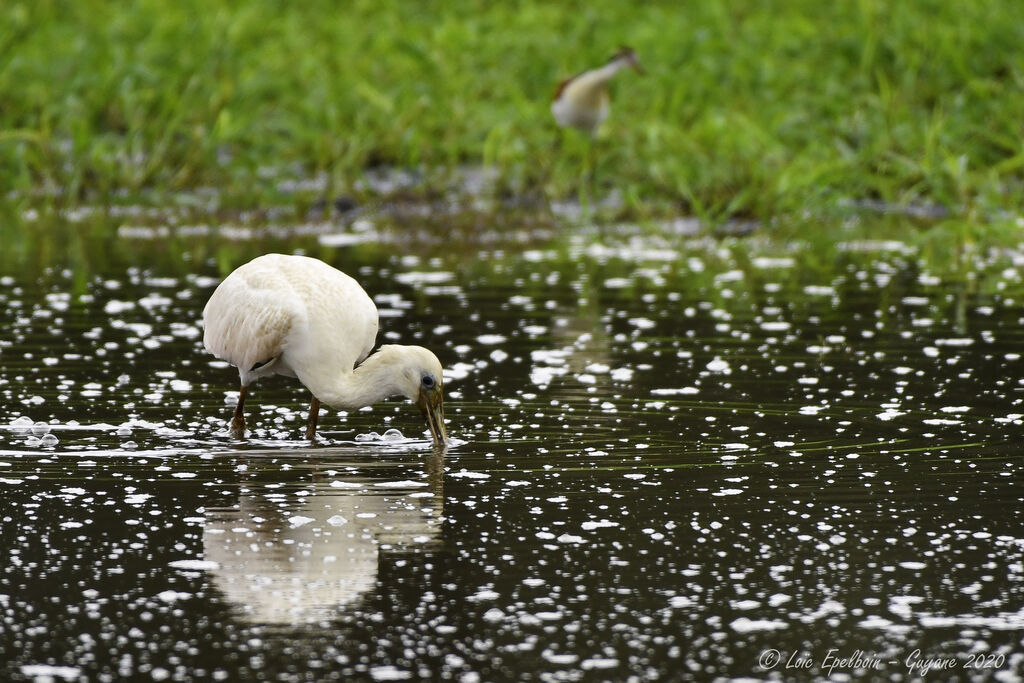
[582,102]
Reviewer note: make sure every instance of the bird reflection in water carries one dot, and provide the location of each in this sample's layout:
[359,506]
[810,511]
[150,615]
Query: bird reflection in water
[278,562]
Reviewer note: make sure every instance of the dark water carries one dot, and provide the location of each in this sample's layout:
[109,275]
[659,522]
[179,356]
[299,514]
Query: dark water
[672,461]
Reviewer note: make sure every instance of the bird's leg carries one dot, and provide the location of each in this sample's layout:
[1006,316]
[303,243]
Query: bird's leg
[592,170]
[556,148]
[314,415]
[238,421]
[585,189]
[594,156]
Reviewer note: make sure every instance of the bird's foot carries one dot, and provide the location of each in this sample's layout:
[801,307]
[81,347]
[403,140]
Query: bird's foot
[238,429]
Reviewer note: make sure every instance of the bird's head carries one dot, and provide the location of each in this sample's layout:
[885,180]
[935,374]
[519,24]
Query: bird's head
[422,381]
[626,56]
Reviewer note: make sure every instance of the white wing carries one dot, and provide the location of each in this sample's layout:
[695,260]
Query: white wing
[312,317]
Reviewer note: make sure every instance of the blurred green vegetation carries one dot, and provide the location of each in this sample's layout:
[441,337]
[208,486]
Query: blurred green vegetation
[749,109]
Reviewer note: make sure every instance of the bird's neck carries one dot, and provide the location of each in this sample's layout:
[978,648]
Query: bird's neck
[376,379]
[590,87]
[606,72]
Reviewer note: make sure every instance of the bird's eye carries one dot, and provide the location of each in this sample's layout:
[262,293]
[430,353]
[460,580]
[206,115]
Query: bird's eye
[428,381]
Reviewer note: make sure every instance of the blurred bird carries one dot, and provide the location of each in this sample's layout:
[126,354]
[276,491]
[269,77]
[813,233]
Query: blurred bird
[582,102]
[299,317]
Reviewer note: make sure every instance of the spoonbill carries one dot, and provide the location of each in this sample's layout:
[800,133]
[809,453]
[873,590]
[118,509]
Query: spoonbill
[582,102]
[299,317]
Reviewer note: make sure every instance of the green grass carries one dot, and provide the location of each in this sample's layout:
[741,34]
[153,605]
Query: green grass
[750,108]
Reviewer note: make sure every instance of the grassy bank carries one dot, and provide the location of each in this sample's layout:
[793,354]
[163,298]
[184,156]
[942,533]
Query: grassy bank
[749,108]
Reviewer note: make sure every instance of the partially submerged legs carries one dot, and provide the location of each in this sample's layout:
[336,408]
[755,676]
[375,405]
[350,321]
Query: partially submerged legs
[314,415]
[238,421]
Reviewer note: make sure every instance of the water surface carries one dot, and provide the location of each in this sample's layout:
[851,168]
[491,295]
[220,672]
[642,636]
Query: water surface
[673,461]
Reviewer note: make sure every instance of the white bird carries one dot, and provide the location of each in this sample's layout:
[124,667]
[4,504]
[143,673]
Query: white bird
[299,317]
[582,101]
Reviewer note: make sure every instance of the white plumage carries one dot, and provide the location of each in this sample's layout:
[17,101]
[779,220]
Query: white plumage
[299,317]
